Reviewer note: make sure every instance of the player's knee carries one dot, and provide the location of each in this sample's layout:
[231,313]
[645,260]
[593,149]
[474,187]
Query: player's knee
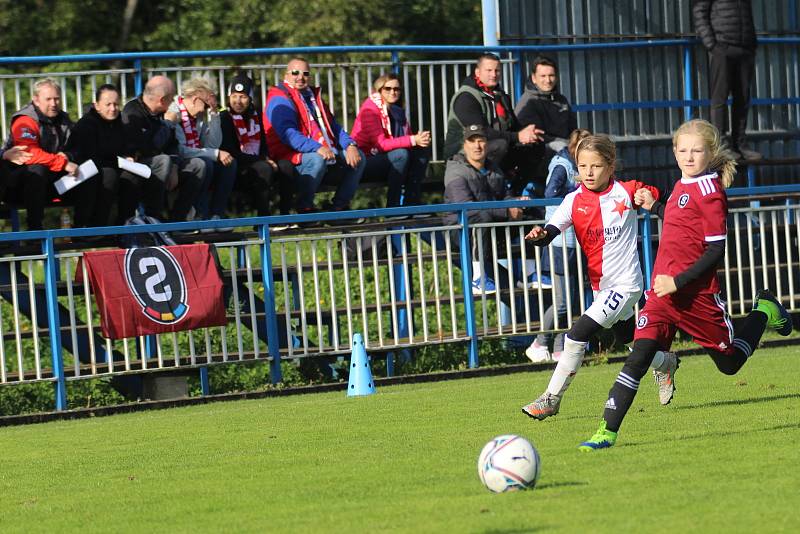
[623,330]
[640,358]
[583,329]
[728,364]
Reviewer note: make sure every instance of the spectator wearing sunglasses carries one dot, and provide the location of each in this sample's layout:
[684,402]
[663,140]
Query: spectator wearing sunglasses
[207,173]
[301,128]
[382,132]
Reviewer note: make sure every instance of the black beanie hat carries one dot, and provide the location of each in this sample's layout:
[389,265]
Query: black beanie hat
[241,84]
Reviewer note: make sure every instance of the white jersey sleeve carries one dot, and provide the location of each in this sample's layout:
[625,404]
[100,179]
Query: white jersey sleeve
[562,218]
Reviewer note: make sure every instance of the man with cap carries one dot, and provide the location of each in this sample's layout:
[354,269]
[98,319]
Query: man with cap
[244,139]
[481,100]
[471,177]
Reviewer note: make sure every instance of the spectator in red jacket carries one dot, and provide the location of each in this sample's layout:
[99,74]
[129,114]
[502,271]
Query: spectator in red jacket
[383,134]
[301,128]
[44,129]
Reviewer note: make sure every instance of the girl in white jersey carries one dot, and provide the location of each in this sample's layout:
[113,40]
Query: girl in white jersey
[603,213]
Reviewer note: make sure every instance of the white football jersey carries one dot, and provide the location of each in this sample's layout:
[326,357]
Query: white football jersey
[606,228]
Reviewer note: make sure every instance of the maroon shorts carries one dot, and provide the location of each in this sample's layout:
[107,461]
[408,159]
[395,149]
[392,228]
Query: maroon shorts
[702,316]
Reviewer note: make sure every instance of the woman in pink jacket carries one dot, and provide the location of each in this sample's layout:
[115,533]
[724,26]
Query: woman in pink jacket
[381,131]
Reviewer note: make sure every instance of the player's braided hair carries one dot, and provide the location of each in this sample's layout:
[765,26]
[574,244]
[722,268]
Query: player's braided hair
[723,162]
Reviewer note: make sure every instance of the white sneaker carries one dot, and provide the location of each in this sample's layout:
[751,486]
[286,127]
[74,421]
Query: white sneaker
[538,353]
[665,380]
[487,288]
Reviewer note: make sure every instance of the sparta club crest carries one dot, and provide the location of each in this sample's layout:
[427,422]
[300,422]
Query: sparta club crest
[157,282]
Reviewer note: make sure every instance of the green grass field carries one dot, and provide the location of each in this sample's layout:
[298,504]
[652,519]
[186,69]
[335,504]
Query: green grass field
[723,457]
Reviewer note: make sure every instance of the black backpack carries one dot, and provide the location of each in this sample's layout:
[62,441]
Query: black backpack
[150,239]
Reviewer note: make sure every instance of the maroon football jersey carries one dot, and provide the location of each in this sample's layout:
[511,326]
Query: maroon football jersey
[695,215]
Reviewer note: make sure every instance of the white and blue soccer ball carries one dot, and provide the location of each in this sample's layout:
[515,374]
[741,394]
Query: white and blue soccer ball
[509,463]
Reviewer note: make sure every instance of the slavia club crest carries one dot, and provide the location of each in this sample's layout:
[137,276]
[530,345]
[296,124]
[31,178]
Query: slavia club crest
[156,281]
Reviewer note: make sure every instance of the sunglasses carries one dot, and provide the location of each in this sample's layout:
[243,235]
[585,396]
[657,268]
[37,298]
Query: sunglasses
[391,89]
[299,72]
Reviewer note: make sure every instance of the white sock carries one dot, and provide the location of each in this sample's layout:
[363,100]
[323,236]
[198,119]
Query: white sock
[568,365]
[476,270]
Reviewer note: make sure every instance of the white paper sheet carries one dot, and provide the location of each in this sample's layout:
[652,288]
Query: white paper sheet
[139,169]
[85,171]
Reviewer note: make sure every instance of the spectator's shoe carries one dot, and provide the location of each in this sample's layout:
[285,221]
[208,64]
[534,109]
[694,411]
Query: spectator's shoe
[545,406]
[777,317]
[749,154]
[538,353]
[280,227]
[665,380]
[535,282]
[602,439]
[487,288]
[328,206]
[215,230]
[308,224]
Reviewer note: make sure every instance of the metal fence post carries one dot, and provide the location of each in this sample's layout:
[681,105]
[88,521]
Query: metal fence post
[205,387]
[270,314]
[518,74]
[647,248]
[466,272]
[54,323]
[688,90]
[137,78]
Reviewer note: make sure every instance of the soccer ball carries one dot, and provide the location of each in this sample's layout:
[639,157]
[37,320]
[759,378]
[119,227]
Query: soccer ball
[508,463]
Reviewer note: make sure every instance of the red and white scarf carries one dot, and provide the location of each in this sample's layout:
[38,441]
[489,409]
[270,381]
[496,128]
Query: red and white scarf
[189,125]
[499,109]
[386,123]
[249,134]
[320,129]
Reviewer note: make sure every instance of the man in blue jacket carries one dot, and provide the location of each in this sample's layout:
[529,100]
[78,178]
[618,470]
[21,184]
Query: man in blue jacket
[300,128]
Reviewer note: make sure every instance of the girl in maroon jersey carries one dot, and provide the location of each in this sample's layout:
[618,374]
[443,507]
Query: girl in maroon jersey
[602,212]
[686,293]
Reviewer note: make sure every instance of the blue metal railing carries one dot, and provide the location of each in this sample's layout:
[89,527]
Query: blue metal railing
[516,51]
[264,224]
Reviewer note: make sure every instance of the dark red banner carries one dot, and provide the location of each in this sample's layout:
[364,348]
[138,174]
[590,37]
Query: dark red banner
[153,290]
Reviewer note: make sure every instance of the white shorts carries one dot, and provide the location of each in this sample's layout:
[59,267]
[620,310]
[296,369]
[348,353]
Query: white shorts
[612,305]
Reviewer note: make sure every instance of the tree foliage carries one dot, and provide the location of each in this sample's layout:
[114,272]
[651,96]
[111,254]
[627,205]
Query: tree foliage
[55,27]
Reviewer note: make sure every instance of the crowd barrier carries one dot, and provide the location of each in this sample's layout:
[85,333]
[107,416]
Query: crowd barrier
[290,295]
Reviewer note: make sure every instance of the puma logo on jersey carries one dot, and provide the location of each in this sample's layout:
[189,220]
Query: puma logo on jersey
[583,210]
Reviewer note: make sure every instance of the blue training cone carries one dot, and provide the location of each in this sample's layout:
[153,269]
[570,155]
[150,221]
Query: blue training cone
[360,382]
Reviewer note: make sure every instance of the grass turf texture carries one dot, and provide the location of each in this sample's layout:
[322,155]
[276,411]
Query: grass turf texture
[723,456]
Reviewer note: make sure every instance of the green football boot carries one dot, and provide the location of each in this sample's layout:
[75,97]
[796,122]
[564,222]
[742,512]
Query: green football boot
[602,439]
[777,317]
